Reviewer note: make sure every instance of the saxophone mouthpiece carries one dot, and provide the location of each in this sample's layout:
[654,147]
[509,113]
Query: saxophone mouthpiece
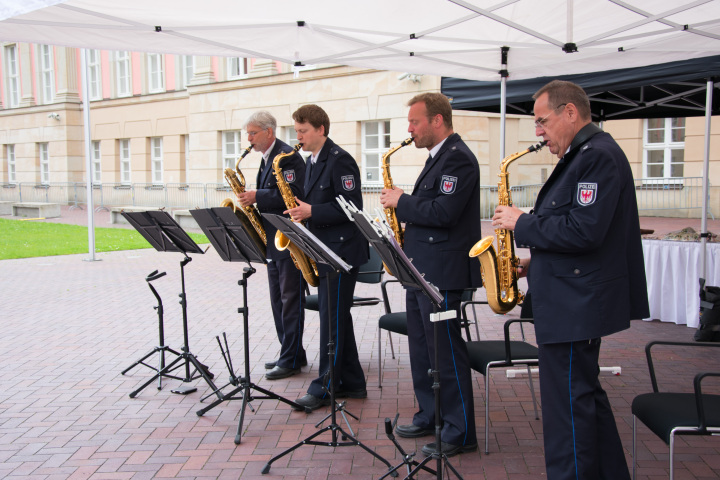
[535,148]
[407,141]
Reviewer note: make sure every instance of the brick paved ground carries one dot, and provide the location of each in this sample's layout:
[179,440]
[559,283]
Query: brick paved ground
[69,327]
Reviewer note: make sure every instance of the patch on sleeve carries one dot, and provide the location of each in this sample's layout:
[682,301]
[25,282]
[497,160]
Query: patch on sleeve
[587,193]
[289,176]
[448,184]
[348,182]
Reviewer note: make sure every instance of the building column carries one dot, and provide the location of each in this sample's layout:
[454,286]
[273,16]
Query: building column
[203,72]
[66,78]
[263,68]
[27,72]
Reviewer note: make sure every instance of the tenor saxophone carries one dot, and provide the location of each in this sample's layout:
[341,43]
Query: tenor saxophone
[249,216]
[306,265]
[499,270]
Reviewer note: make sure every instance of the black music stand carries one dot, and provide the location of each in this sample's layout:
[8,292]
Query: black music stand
[233,243]
[321,254]
[165,235]
[383,241]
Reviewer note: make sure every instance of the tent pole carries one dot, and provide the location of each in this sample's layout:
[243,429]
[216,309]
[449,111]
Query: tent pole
[503,96]
[88,156]
[706,176]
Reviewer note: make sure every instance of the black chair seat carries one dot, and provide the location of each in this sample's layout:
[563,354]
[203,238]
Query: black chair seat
[394,322]
[483,352]
[311,302]
[663,411]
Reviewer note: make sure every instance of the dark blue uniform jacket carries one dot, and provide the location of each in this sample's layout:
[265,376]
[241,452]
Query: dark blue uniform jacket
[268,198]
[336,173]
[443,218]
[587,275]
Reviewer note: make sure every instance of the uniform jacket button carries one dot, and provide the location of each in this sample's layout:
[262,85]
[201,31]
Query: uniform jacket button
[576,271]
[342,238]
[431,239]
[553,203]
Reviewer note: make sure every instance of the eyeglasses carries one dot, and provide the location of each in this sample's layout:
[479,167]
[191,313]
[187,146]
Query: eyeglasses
[252,134]
[540,123]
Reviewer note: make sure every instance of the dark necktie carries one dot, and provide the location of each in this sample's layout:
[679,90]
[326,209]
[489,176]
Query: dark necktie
[308,172]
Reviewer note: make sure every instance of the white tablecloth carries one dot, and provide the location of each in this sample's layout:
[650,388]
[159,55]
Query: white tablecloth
[673,270]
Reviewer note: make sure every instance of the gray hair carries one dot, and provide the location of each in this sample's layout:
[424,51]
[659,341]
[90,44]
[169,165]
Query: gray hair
[262,119]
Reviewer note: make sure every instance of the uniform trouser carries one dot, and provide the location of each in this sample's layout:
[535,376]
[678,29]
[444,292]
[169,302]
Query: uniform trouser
[335,310]
[579,430]
[456,398]
[287,299]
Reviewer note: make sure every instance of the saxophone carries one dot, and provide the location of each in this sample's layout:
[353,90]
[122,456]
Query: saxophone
[500,270]
[250,217]
[388,184]
[306,265]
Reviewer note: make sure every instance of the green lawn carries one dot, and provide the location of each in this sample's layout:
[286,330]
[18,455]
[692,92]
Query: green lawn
[26,238]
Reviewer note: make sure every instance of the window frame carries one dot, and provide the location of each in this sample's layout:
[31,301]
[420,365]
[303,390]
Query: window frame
[383,133]
[667,147]
[44,162]
[125,161]
[156,160]
[123,74]
[12,76]
[155,73]
[47,73]
[96,162]
[229,159]
[11,163]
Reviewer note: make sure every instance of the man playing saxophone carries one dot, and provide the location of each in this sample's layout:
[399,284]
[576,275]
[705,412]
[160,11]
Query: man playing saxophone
[331,171]
[587,279]
[442,217]
[286,286]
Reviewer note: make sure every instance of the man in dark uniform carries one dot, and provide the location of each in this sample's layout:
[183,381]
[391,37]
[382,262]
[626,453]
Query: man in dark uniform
[442,224]
[286,284]
[331,172]
[587,279]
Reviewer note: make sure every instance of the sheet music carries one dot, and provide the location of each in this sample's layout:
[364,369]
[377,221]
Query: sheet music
[346,266]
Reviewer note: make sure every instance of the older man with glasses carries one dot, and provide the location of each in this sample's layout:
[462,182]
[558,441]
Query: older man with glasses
[286,284]
[587,278]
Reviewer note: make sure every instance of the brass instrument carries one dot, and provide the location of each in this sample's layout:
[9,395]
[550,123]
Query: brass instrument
[306,265]
[250,216]
[500,270]
[388,183]
[390,213]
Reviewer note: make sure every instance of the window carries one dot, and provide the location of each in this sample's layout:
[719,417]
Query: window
[12,172]
[231,148]
[122,74]
[664,149]
[94,74]
[237,67]
[156,80]
[96,166]
[376,141]
[156,159]
[44,163]
[12,76]
[47,73]
[188,70]
[291,139]
[124,148]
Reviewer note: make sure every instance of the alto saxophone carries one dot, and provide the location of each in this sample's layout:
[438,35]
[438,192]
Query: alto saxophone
[250,217]
[306,265]
[388,184]
[499,270]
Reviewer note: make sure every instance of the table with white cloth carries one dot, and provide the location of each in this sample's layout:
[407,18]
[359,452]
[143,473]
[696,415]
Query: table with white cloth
[673,270]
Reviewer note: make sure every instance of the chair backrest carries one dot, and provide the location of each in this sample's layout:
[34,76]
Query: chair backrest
[372,270]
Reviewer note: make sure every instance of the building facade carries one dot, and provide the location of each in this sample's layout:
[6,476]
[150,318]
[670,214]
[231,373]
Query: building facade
[173,120]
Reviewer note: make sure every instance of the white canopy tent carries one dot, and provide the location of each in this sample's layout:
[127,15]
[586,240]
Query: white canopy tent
[457,38]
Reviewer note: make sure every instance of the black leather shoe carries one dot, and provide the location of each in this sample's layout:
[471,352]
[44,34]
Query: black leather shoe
[271,365]
[413,431]
[311,402]
[448,449]
[281,372]
[341,393]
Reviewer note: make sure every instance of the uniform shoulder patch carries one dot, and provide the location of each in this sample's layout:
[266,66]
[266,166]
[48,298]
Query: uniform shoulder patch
[348,182]
[448,184]
[289,176]
[586,193]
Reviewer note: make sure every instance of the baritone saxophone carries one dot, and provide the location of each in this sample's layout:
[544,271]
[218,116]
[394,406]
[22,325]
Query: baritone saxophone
[249,216]
[499,270]
[306,265]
